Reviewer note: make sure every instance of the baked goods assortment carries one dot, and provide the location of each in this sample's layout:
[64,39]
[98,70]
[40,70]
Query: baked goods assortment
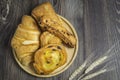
[39,40]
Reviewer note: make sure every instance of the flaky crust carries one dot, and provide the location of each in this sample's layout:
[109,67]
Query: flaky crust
[49,58]
[26,40]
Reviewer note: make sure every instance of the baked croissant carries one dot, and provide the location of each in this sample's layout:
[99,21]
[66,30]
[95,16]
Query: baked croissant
[48,38]
[48,20]
[26,40]
[49,58]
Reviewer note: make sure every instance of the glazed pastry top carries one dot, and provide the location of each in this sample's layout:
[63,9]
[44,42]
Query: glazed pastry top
[49,58]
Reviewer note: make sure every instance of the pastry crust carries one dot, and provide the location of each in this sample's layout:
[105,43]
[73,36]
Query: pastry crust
[49,58]
[48,38]
[48,20]
[26,40]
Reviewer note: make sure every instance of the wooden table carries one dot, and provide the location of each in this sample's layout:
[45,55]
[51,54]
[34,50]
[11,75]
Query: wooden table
[97,23]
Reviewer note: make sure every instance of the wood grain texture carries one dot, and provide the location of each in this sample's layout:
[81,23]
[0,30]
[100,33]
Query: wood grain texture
[97,23]
[101,30]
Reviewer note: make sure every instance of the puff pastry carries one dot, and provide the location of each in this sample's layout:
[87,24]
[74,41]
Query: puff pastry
[48,38]
[49,58]
[26,40]
[48,20]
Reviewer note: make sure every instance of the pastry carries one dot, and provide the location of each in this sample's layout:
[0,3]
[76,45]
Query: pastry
[26,40]
[48,38]
[49,58]
[49,21]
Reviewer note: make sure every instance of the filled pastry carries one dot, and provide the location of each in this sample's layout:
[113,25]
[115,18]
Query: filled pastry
[48,38]
[26,40]
[49,58]
[49,21]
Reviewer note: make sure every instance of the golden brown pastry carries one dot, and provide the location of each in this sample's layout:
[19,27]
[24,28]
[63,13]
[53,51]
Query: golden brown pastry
[49,58]
[48,38]
[26,40]
[48,20]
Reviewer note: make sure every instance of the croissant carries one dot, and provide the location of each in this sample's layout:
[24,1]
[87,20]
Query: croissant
[49,58]
[48,38]
[26,40]
[49,21]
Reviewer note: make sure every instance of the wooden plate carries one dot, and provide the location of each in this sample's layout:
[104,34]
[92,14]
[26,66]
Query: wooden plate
[71,54]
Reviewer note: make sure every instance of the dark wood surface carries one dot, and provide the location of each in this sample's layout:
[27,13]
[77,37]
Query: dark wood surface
[97,23]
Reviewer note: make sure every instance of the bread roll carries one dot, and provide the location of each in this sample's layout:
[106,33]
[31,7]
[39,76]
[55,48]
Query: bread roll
[48,38]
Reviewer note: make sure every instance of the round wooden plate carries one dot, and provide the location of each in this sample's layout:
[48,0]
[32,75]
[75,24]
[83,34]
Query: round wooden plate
[71,54]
